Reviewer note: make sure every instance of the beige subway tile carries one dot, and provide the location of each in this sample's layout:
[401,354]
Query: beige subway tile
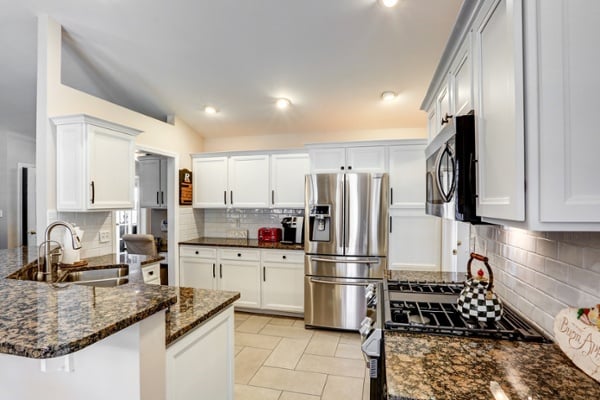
[247,362]
[288,380]
[332,365]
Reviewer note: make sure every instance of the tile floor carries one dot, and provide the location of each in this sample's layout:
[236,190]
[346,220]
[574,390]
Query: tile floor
[277,359]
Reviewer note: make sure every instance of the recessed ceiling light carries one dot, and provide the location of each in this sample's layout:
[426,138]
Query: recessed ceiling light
[389,3]
[388,96]
[210,110]
[283,103]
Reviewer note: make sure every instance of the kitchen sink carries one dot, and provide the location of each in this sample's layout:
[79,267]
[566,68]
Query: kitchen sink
[101,277]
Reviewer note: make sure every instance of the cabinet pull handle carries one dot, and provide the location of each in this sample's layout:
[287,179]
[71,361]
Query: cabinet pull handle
[151,273]
[93,192]
[157,198]
[391,196]
[231,197]
[390,224]
[349,167]
[342,167]
[162,197]
[264,274]
[214,275]
[221,271]
[272,196]
[239,254]
[284,257]
[225,197]
[446,118]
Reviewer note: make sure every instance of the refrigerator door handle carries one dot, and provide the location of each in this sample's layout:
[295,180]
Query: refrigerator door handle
[359,283]
[359,261]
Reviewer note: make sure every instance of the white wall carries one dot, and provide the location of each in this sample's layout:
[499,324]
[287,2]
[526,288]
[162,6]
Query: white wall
[15,148]
[56,99]
[289,141]
[540,273]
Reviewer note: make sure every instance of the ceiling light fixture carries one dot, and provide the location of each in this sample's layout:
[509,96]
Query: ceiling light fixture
[283,103]
[210,110]
[388,96]
[389,3]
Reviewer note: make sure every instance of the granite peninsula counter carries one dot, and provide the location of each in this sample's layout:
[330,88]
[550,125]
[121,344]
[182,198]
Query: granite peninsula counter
[425,367]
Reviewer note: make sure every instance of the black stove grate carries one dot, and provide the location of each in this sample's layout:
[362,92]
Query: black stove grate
[444,318]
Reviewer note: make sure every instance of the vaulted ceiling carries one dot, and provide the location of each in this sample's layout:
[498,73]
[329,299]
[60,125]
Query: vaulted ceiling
[331,58]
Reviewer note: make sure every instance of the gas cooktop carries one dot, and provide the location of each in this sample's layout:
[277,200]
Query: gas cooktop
[431,308]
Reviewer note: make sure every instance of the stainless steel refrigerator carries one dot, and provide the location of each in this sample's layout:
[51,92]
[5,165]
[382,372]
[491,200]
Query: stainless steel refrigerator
[345,241]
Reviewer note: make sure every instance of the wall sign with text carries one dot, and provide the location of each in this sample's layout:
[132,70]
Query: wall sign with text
[185,187]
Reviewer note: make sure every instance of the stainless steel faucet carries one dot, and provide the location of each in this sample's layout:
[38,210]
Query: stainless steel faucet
[48,272]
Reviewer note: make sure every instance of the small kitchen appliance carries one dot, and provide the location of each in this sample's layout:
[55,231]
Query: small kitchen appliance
[293,230]
[269,234]
[477,301]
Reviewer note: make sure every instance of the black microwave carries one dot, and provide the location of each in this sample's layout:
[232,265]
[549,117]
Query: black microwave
[451,171]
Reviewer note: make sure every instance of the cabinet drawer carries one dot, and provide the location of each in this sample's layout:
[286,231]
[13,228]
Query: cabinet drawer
[197,251]
[288,257]
[151,273]
[239,254]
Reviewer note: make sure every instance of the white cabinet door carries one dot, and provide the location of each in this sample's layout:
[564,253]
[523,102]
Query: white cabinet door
[200,364]
[498,81]
[287,179]
[327,160]
[432,123]
[149,172]
[243,277]
[407,176]
[568,126]
[249,181]
[443,107]
[111,168]
[414,242]
[282,286]
[209,182]
[462,86]
[198,272]
[366,159]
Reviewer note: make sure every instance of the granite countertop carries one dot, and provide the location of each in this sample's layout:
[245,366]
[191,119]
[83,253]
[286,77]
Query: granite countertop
[40,320]
[421,366]
[226,242]
[425,367]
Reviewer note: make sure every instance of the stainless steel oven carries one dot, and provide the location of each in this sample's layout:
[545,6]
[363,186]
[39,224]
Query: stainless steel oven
[371,332]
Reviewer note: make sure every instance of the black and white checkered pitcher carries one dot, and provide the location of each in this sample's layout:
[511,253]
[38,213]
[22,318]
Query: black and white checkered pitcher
[477,301]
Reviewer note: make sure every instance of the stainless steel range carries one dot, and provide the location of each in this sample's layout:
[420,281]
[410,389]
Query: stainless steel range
[422,307]
[431,308]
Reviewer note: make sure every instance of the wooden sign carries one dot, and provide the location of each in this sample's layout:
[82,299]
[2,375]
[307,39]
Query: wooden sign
[185,187]
[577,332]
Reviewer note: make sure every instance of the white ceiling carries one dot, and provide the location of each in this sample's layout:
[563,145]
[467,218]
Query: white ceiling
[332,58]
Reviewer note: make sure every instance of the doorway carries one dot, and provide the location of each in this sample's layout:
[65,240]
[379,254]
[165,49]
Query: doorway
[26,226]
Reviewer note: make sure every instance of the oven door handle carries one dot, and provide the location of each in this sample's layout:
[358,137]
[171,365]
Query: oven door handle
[360,283]
[336,261]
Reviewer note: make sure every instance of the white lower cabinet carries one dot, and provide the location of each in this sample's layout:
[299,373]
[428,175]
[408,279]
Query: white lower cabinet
[200,364]
[282,284]
[266,279]
[151,273]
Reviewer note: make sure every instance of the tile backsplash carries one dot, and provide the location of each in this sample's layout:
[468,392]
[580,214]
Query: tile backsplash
[91,223]
[222,222]
[540,273]
[191,223]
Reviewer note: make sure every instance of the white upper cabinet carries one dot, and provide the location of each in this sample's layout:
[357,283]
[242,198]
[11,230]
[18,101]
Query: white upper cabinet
[249,181]
[444,112]
[407,176]
[329,159]
[499,116]
[152,172]
[95,164]
[534,89]
[209,182]
[287,179]
[568,100]
[462,85]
